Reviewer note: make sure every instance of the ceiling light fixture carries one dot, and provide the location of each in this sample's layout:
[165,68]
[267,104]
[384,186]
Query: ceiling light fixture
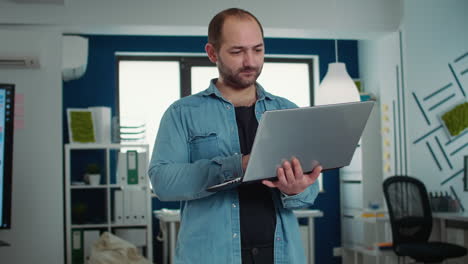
[337,86]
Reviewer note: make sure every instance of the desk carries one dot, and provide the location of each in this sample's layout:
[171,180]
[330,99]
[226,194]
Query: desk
[169,218]
[456,220]
[310,215]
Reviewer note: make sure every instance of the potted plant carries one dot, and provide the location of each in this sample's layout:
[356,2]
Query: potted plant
[79,213]
[93,174]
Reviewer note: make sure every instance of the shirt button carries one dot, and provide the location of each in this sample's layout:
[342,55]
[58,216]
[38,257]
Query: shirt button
[228,107]
[278,238]
[234,235]
[234,205]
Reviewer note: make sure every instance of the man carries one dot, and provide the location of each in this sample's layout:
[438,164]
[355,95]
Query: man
[205,139]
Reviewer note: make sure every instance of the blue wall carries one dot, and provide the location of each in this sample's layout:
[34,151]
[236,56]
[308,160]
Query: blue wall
[98,87]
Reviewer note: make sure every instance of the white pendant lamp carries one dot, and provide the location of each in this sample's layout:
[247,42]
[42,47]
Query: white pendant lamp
[337,86]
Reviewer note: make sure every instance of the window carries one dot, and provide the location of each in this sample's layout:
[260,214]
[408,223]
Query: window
[147,85]
[287,79]
[146,89]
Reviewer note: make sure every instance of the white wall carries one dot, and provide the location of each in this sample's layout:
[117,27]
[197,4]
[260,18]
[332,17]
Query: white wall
[37,221]
[381,73]
[300,18]
[433,36]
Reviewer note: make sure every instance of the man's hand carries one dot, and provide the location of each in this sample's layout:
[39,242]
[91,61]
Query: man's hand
[291,179]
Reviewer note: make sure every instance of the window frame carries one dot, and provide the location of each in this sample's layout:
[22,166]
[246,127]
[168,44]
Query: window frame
[188,60]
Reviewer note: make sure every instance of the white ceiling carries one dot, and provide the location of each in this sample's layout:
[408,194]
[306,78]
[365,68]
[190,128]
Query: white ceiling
[359,19]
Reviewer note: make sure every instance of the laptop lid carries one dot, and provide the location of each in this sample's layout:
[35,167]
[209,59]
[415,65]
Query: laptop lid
[327,135]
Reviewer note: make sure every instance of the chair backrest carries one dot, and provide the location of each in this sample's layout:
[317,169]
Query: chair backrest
[409,209]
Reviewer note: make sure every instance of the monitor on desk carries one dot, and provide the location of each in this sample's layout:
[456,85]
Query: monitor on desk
[7,92]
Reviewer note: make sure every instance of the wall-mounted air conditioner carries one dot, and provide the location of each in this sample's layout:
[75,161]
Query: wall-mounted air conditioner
[19,62]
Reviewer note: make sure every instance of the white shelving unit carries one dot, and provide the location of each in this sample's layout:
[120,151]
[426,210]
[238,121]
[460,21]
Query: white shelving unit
[371,249]
[361,235]
[360,187]
[108,187]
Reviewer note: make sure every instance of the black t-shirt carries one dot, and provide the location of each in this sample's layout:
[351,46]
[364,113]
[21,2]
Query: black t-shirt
[257,211]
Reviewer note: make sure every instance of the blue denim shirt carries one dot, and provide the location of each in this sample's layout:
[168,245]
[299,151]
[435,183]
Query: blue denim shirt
[198,146]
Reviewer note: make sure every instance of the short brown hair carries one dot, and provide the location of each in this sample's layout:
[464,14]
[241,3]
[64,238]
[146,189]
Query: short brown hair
[216,24]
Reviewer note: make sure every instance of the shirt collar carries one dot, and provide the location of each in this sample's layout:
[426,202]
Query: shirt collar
[261,93]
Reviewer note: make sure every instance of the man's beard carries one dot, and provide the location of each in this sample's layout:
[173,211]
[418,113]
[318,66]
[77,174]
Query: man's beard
[233,78]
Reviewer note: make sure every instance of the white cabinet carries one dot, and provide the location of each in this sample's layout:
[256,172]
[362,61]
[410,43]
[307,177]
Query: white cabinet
[114,205]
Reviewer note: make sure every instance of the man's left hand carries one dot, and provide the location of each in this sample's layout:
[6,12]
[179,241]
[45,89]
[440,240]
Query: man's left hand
[291,178]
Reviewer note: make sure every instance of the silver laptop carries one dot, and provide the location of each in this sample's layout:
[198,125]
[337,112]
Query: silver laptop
[327,135]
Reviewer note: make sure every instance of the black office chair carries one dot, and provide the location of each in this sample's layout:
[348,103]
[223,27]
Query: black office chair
[411,222]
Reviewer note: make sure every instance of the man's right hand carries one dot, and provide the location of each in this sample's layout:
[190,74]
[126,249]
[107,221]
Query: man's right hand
[245,161]
[291,178]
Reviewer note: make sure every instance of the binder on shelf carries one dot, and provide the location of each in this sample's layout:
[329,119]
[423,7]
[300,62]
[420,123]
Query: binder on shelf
[118,207]
[142,168]
[89,237]
[77,246]
[139,197]
[134,206]
[132,167]
[128,207]
[121,168]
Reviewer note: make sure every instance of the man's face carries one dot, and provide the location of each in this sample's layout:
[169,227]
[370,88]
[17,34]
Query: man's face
[240,56]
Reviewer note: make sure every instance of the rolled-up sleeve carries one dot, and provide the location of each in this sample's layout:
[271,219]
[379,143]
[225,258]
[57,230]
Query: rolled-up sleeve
[173,176]
[301,200]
